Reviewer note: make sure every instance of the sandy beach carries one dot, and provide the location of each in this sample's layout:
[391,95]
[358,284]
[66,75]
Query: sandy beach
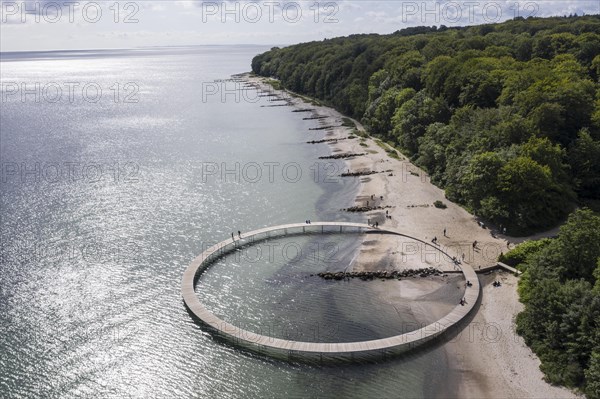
[487,358]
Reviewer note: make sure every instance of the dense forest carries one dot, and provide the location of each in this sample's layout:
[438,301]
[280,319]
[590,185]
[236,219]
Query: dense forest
[505,117]
[560,288]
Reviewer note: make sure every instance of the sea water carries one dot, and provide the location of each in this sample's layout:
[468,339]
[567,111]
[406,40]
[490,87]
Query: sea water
[109,190]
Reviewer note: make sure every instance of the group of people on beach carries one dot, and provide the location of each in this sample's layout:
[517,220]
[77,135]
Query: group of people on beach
[373,198]
[435,241]
[387,213]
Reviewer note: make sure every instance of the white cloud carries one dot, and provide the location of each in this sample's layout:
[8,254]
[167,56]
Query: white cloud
[191,22]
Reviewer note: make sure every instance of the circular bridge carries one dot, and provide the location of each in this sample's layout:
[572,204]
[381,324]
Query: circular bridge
[282,347]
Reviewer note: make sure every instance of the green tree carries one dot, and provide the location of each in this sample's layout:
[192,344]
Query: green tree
[578,246]
[544,152]
[561,320]
[597,277]
[585,161]
[434,148]
[411,119]
[436,74]
[378,116]
[406,70]
[481,178]
[523,88]
[596,66]
[532,197]
[518,256]
[592,375]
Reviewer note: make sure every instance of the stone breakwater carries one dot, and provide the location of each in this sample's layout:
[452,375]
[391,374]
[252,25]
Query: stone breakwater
[385,274]
[326,141]
[359,209]
[363,173]
[343,156]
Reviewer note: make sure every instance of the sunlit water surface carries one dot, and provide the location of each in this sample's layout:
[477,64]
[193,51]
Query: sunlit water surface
[105,203]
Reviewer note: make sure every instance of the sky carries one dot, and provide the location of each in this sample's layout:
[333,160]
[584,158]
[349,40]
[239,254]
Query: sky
[68,25]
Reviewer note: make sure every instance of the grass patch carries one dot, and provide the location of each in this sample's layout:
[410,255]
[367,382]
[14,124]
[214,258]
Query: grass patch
[517,256]
[275,84]
[392,153]
[399,151]
[381,144]
[359,133]
[347,122]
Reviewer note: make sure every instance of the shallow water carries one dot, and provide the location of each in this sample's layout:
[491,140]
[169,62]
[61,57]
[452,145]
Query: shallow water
[105,203]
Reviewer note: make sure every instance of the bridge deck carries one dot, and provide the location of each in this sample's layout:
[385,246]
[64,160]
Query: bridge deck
[266,343]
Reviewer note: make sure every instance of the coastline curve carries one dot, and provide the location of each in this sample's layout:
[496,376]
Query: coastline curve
[277,347]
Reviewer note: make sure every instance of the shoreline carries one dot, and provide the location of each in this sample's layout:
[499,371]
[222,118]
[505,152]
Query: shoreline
[487,358]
